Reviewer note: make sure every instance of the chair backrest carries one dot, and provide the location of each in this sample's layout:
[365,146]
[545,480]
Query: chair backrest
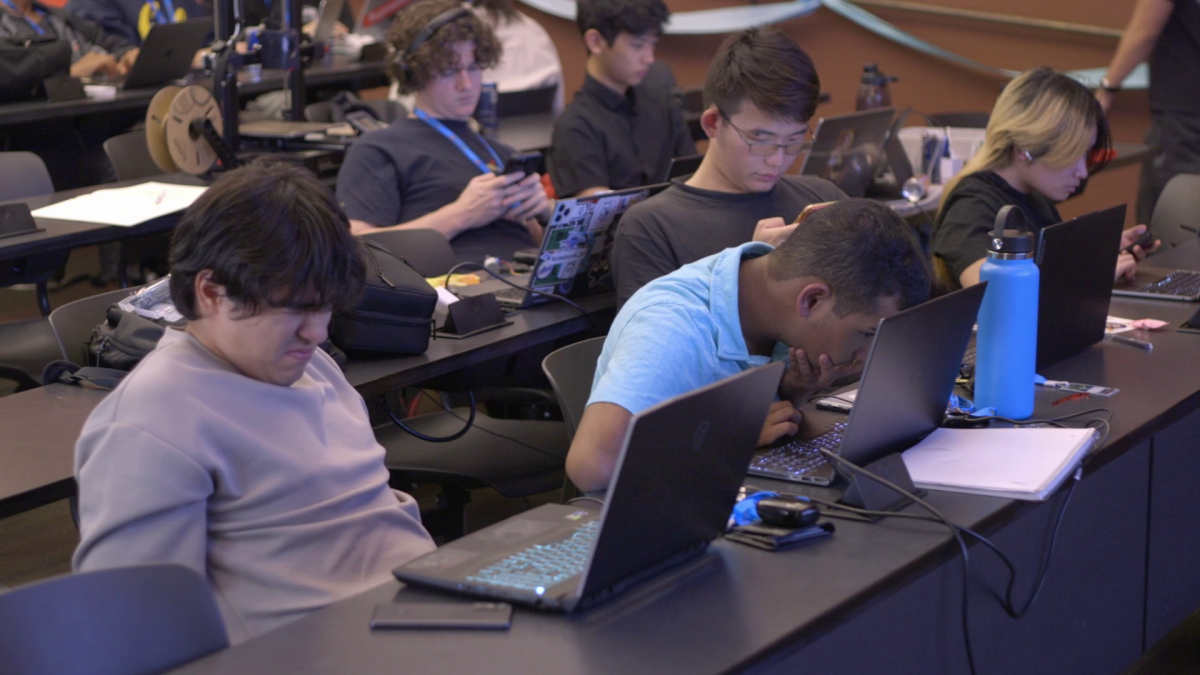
[1176,216]
[321,111]
[23,175]
[130,156]
[119,621]
[969,120]
[428,251]
[74,322]
[570,371]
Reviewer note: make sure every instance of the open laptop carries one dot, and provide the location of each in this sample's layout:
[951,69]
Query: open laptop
[1076,260]
[166,54]
[328,12]
[1161,283]
[576,254]
[847,149]
[902,396]
[683,166]
[563,557]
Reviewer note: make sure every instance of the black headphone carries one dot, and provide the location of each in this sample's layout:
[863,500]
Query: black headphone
[401,59]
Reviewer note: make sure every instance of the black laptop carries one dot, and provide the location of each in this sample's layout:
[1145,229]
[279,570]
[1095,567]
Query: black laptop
[166,54]
[683,166]
[674,486]
[575,259]
[902,396]
[1076,260]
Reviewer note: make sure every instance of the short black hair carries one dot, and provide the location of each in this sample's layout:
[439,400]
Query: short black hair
[767,68]
[273,236]
[610,17]
[862,249]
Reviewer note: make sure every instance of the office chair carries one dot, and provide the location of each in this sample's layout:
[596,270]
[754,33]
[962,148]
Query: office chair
[73,323]
[1175,219]
[571,370]
[517,458]
[130,159]
[119,621]
[27,345]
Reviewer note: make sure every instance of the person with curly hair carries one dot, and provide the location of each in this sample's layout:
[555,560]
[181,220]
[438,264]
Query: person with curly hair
[433,170]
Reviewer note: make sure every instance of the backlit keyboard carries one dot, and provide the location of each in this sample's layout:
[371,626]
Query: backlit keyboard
[541,566]
[796,459]
[1181,283]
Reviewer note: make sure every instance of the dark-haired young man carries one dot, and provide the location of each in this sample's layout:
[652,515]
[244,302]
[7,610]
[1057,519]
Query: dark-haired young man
[238,448]
[622,128]
[760,93]
[815,301]
[432,170]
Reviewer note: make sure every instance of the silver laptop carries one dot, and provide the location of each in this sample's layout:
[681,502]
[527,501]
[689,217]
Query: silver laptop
[1161,283]
[902,396]
[848,149]
[674,486]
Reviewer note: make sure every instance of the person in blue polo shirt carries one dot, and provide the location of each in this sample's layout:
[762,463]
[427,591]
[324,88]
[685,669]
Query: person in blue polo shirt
[815,301]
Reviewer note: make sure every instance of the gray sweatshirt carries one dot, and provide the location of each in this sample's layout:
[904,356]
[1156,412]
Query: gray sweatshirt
[277,495]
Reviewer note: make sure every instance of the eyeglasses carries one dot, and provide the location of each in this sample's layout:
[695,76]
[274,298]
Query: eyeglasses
[761,149]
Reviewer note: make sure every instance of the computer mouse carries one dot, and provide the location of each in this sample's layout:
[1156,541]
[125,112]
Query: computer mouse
[788,512]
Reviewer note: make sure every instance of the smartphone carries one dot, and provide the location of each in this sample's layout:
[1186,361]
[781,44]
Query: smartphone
[809,210]
[469,615]
[526,162]
[1144,241]
[364,121]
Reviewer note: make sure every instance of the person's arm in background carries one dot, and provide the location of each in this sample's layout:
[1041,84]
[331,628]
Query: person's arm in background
[1147,23]
[121,49]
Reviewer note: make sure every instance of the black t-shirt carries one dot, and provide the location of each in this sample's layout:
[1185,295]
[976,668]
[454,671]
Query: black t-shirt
[683,224]
[961,233]
[409,170]
[1175,61]
[606,139]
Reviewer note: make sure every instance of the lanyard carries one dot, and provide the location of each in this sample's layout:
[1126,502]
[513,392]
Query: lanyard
[495,167]
[161,16]
[32,24]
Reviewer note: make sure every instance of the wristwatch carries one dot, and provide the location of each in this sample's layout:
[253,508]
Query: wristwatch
[1108,86]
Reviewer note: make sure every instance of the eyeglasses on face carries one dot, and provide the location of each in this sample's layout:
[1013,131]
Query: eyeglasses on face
[766,148]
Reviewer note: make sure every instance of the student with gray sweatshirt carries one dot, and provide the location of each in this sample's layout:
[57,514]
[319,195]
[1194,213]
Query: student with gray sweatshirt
[237,447]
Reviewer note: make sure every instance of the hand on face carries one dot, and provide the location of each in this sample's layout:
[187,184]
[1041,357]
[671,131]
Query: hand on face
[804,376]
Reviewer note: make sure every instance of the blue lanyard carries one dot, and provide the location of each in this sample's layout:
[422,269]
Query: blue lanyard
[32,24]
[496,167]
[161,17]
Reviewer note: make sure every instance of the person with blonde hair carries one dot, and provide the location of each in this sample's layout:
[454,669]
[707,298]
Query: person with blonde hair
[1045,132]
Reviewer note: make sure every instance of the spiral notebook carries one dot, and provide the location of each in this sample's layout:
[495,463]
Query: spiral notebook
[1017,463]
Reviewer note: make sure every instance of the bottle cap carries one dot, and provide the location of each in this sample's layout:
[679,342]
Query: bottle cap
[1011,238]
[871,75]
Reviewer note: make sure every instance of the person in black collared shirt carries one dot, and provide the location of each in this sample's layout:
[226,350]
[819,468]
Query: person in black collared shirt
[432,170]
[624,126]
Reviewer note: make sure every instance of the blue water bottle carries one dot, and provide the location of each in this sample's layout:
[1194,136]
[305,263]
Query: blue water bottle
[1006,345]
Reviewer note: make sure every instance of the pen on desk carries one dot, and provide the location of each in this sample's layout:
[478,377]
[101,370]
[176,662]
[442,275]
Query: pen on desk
[1132,342]
[161,196]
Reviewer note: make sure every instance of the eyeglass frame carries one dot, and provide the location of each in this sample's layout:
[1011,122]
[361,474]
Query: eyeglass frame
[804,146]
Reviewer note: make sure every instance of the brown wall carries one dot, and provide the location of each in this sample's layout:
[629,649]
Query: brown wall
[840,48]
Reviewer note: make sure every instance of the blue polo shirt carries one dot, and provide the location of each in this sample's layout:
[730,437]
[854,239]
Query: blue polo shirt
[678,333]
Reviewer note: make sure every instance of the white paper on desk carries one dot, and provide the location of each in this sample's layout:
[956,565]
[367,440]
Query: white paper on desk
[126,206]
[1014,463]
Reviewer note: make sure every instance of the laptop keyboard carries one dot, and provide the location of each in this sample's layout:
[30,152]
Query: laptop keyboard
[541,566]
[791,461]
[968,358]
[1180,282]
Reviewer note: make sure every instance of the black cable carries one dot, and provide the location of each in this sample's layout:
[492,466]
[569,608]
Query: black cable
[954,530]
[489,431]
[433,439]
[527,289]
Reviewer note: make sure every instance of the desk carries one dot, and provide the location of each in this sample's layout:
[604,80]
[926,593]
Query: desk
[341,73]
[38,428]
[874,598]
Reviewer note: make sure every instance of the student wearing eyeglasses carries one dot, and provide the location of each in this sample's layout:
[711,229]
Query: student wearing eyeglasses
[760,93]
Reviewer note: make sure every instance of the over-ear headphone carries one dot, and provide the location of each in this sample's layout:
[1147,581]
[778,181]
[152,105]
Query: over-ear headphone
[401,59]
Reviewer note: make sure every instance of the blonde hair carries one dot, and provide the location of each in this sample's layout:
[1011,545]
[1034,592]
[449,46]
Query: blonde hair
[1044,113]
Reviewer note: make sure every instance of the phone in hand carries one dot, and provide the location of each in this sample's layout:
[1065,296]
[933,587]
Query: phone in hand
[470,615]
[526,162]
[1144,241]
[809,210]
